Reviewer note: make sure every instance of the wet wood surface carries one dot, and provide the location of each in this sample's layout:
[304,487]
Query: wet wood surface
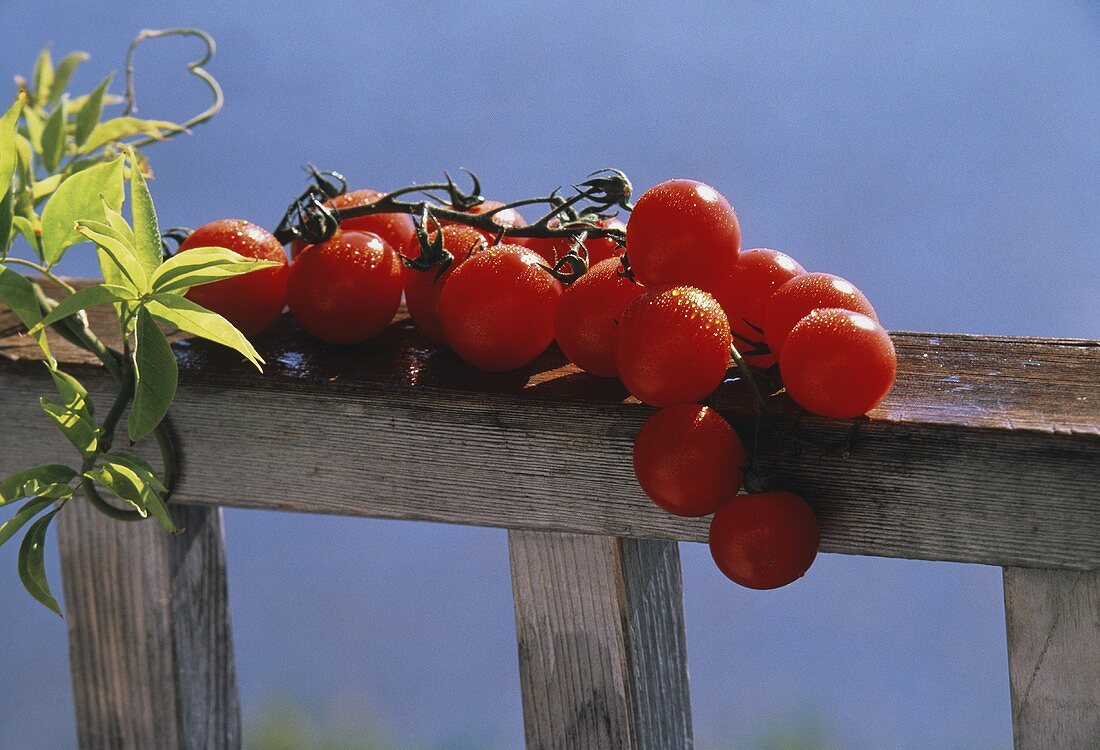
[987,450]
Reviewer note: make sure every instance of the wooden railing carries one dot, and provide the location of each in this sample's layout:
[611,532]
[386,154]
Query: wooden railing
[987,451]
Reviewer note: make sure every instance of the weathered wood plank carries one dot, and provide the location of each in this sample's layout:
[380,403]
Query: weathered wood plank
[549,464]
[1053,620]
[149,634]
[600,628]
[987,451]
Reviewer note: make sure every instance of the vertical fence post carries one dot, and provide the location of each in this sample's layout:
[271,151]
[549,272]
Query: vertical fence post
[1053,622]
[149,631]
[602,654]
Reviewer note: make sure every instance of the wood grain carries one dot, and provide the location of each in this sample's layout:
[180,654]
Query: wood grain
[987,451]
[1053,620]
[149,635]
[600,628]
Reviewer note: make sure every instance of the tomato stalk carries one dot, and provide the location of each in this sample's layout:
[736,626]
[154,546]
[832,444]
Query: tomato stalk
[310,220]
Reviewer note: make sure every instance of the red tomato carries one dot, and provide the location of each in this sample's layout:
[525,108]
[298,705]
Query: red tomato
[745,295]
[346,290]
[498,308]
[673,346]
[251,302]
[764,540]
[587,320]
[801,295]
[395,228]
[838,363]
[688,459]
[422,288]
[683,232]
[599,249]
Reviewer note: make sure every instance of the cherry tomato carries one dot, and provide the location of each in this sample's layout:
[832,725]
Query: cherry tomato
[764,540]
[838,363]
[673,345]
[346,290]
[395,228]
[744,296]
[422,288]
[683,232]
[688,459]
[599,248]
[498,308]
[251,302]
[587,320]
[798,297]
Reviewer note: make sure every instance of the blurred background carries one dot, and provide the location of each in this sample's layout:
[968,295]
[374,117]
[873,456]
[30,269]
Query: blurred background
[943,156]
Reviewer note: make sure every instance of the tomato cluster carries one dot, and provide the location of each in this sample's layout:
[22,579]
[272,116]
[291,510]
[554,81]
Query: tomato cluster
[661,314]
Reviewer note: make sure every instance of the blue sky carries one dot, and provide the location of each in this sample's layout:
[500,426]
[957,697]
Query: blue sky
[943,156]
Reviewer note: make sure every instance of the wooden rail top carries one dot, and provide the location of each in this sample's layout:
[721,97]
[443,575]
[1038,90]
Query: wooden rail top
[987,450]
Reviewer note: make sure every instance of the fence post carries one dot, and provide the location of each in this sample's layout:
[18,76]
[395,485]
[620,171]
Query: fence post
[1053,625]
[149,631]
[602,654]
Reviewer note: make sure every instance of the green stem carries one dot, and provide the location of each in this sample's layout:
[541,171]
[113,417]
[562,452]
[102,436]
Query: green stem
[110,423]
[746,373]
[45,271]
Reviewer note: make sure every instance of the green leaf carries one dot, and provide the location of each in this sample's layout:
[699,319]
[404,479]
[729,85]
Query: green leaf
[43,188]
[73,393]
[186,315]
[48,480]
[64,74]
[35,125]
[24,514]
[77,428]
[42,77]
[133,485]
[134,475]
[82,299]
[117,223]
[138,464]
[120,252]
[78,199]
[32,562]
[53,138]
[78,103]
[202,265]
[123,483]
[26,228]
[123,127]
[146,231]
[25,152]
[7,222]
[90,112]
[155,374]
[9,156]
[8,151]
[17,292]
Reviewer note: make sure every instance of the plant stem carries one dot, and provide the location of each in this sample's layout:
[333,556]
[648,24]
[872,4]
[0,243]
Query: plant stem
[604,193]
[45,271]
[195,68]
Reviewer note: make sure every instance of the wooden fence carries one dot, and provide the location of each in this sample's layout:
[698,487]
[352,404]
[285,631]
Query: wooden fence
[987,451]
